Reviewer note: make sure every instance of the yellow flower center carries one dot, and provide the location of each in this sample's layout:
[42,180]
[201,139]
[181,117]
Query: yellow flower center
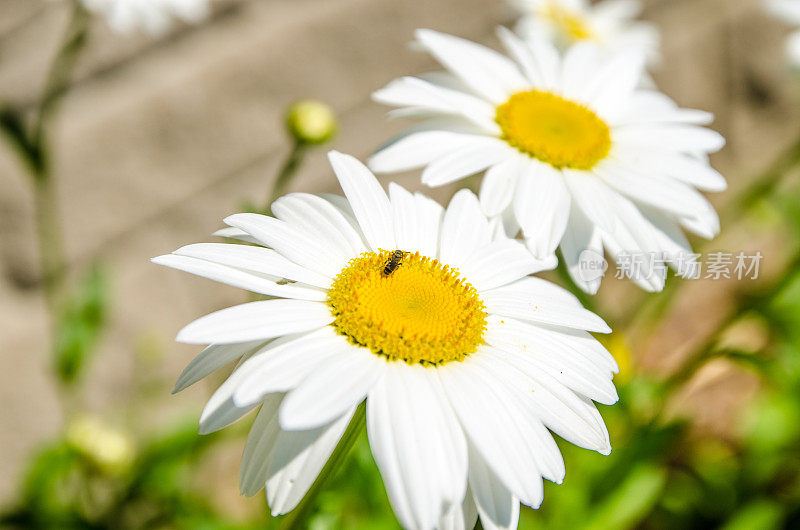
[572,26]
[554,130]
[420,312]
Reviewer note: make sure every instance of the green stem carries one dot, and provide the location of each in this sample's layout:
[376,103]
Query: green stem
[51,249]
[286,173]
[298,518]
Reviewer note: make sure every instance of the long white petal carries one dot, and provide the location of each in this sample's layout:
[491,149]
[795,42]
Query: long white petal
[466,161]
[242,279]
[297,245]
[497,506]
[461,517]
[256,259]
[418,444]
[542,205]
[464,229]
[539,62]
[498,185]
[368,200]
[558,407]
[256,320]
[288,365]
[260,444]
[430,214]
[298,458]
[502,262]
[582,249]
[318,216]
[418,149]
[494,425]
[485,71]
[338,383]
[422,94]
[593,197]
[535,351]
[211,359]
[534,309]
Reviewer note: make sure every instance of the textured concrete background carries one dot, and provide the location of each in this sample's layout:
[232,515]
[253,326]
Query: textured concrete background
[160,139]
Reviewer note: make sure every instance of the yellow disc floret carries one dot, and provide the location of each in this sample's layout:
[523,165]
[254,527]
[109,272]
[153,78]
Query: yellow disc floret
[421,311]
[572,26]
[554,130]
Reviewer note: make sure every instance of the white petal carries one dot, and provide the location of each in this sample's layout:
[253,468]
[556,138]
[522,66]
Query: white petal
[368,200]
[539,61]
[338,383]
[236,233]
[578,68]
[558,407]
[407,229]
[664,193]
[417,443]
[297,245]
[318,216]
[256,259]
[298,458]
[242,279]
[615,82]
[585,269]
[466,161]
[259,446]
[211,359]
[497,187]
[421,94]
[497,506]
[485,71]
[464,229]
[430,214]
[418,149]
[462,517]
[502,262]
[685,138]
[221,411]
[256,320]
[541,309]
[593,198]
[534,351]
[495,425]
[541,206]
[288,365]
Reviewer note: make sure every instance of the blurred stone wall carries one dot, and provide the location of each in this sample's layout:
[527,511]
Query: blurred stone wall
[160,139]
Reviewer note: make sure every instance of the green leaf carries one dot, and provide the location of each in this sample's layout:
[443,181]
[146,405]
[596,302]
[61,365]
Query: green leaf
[631,501]
[763,514]
[81,325]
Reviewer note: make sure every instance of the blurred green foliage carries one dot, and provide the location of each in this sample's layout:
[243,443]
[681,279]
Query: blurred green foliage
[81,324]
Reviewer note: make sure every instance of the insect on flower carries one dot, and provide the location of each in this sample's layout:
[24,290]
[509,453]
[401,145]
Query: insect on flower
[393,262]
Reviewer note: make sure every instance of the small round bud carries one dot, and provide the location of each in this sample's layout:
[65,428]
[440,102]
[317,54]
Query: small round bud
[109,449]
[310,121]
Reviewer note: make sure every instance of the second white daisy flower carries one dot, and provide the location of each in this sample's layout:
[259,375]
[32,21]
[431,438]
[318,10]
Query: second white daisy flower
[583,157]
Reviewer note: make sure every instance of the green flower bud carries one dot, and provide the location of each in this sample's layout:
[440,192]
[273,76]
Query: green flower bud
[109,449]
[310,121]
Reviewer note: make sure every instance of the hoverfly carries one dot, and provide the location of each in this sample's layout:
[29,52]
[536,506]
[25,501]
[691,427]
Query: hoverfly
[393,262]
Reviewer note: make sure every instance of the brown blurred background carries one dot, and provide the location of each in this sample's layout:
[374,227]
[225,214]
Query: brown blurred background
[158,140]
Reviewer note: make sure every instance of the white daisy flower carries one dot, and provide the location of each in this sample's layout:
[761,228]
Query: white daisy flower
[152,16]
[789,12]
[611,24]
[581,156]
[465,361]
